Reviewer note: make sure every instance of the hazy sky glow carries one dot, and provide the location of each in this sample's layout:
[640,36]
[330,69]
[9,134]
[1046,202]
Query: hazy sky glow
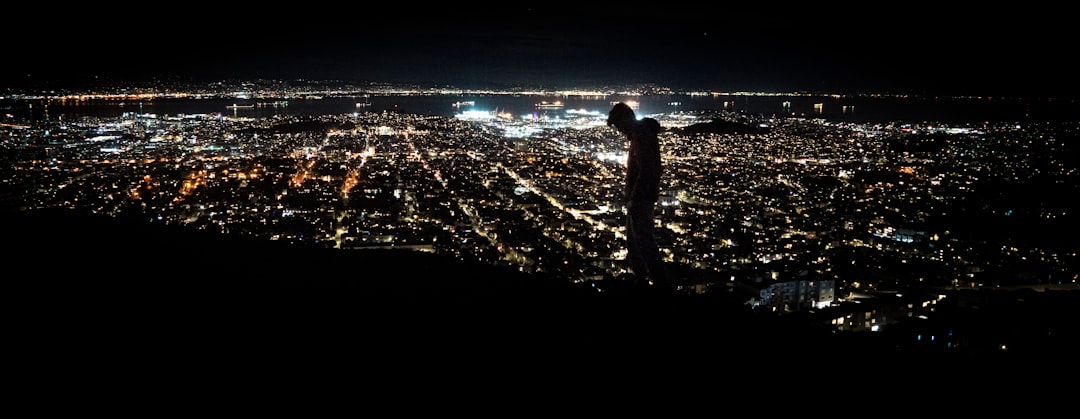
[906,49]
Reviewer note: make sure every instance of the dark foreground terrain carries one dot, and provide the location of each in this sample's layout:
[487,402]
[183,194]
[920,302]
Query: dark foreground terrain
[93,294]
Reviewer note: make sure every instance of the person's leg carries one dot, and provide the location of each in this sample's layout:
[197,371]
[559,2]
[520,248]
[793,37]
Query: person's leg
[637,264]
[643,250]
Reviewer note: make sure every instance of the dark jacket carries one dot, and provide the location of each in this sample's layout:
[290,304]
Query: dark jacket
[643,168]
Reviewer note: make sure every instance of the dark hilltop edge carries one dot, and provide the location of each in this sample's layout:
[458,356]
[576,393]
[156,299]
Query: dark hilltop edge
[99,258]
[95,278]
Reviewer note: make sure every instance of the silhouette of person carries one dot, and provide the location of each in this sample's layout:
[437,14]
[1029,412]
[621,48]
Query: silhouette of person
[641,192]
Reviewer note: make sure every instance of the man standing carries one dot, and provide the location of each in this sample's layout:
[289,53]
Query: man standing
[642,191]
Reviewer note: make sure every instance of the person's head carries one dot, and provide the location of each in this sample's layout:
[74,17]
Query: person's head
[621,117]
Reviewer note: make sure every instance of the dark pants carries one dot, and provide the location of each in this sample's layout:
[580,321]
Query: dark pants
[642,251]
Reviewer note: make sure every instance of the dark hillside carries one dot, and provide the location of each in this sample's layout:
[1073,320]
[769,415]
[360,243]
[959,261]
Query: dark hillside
[103,264]
[99,283]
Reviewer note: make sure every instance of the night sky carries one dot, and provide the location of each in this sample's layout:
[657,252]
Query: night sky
[902,48]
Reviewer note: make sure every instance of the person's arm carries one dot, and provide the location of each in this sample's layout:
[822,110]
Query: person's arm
[647,182]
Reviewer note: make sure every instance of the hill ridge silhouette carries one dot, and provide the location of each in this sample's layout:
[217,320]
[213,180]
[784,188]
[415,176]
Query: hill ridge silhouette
[102,265]
[87,273]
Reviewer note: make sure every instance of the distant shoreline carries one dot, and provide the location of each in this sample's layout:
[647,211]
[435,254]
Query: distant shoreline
[853,109]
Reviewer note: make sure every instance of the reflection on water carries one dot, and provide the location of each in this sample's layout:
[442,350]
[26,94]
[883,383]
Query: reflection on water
[836,108]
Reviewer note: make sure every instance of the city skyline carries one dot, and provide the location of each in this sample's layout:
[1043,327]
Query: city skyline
[739,48]
[860,235]
[943,237]
[869,237]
